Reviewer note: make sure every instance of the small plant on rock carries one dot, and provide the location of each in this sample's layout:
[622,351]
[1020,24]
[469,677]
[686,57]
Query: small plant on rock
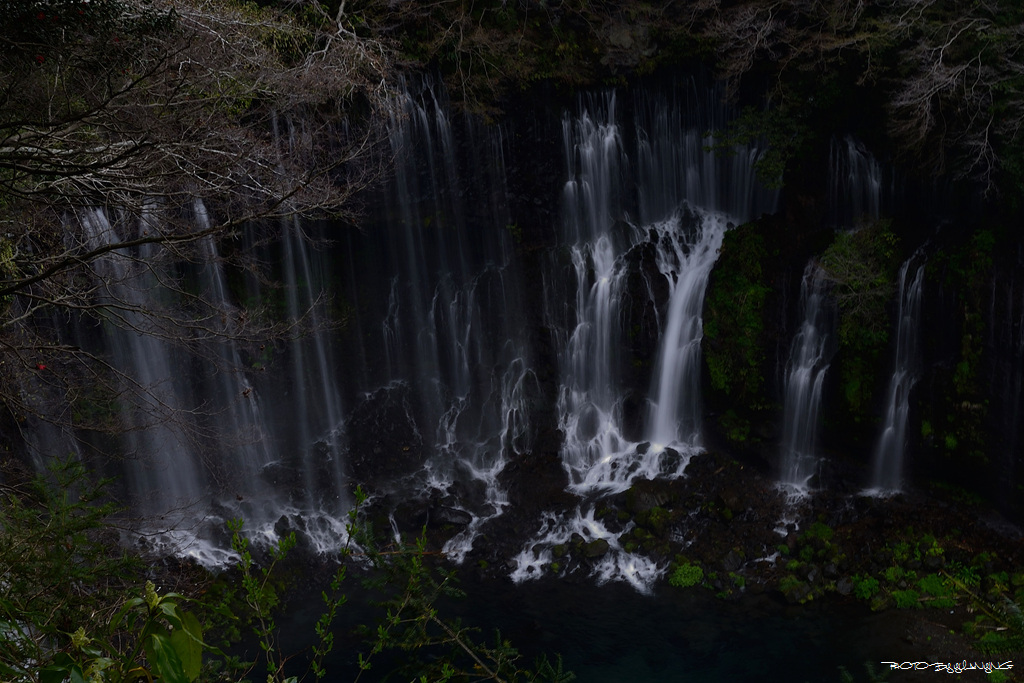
[686,574]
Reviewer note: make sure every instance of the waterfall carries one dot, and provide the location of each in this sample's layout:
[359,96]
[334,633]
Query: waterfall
[199,439]
[675,413]
[683,193]
[685,198]
[237,415]
[199,445]
[588,398]
[888,462]
[674,161]
[316,423]
[809,357]
[435,393]
[163,468]
[857,187]
[453,359]
[405,358]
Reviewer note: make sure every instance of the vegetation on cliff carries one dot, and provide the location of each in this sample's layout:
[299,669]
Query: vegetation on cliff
[735,327]
[955,424]
[942,81]
[861,267]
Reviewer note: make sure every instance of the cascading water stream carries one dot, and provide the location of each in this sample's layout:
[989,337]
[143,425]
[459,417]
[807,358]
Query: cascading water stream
[315,426]
[240,418]
[199,444]
[810,354]
[588,398]
[685,196]
[675,414]
[681,189]
[163,471]
[437,388]
[675,162]
[596,455]
[857,185]
[888,460]
[615,564]
[453,343]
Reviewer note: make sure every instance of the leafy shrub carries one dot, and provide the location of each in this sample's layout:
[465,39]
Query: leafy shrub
[865,588]
[820,530]
[901,552]
[64,577]
[734,323]
[968,576]
[934,585]
[897,574]
[788,583]
[907,599]
[686,575]
[861,266]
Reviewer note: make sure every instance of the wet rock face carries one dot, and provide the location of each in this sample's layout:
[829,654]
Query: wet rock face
[646,495]
[383,439]
[289,476]
[410,515]
[595,549]
[441,516]
[646,293]
[281,475]
[635,408]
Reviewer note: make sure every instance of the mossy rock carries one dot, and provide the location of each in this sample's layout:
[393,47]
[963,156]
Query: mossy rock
[596,548]
[646,495]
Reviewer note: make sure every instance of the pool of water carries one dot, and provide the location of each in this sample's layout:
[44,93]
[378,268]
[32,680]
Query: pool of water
[613,634]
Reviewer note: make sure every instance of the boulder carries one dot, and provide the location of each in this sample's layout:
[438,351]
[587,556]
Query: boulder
[596,548]
[443,516]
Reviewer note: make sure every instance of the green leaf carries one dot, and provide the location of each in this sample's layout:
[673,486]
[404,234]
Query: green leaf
[9,671]
[165,660]
[53,674]
[173,596]
[188,644]
[170,610]
[128,606]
